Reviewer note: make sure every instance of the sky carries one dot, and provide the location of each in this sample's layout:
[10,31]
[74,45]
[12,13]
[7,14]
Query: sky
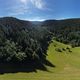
[39,10]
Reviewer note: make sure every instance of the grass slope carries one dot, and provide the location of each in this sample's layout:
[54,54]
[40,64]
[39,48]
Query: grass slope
[67,65]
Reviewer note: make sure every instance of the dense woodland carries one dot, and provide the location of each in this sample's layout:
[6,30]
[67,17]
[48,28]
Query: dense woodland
[22,41]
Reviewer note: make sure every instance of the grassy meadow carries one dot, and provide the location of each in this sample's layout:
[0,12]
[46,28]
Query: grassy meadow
[65,59]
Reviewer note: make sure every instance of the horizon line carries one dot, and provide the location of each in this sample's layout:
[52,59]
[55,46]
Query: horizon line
[40,19]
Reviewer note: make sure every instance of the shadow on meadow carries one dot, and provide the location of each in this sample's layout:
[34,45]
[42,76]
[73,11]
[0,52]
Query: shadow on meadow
[29,66]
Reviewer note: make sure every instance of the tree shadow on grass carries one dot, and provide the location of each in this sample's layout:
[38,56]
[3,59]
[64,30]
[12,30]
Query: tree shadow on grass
[29,66]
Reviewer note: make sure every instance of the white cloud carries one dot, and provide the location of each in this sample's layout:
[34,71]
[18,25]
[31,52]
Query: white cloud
[23,6]
[38,4]
[20,10]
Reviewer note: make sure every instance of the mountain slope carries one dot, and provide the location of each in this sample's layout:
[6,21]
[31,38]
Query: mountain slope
[66,31]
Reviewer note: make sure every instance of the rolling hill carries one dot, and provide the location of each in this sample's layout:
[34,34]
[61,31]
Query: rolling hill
[39,50]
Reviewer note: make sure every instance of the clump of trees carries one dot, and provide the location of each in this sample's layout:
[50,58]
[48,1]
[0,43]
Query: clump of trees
[63,49]
[58,49]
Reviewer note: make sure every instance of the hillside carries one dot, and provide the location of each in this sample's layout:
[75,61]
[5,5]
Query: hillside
[26,43]
[67,65]
[66,31]
[22,44]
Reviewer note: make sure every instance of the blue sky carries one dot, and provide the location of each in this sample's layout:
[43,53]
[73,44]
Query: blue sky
[38,10]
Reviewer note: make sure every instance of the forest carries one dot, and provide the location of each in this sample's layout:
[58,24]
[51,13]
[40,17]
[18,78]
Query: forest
[24,42]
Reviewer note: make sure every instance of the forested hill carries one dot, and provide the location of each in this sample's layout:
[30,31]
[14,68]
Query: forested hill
[14,22]
[23,41]
[66,31]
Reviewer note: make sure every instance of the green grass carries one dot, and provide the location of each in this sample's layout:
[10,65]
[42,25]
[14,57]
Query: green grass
[67,66]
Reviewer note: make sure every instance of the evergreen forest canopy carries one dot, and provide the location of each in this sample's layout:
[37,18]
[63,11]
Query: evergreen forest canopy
[24,41]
